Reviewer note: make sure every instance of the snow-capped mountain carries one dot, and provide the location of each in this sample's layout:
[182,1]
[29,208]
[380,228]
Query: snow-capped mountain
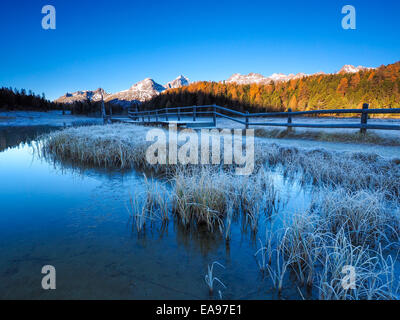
[86,95]
[247,79]
[352,69]
[181,81]
[139,92]
[146,89]
[280,77]
[142,91]
[260,79]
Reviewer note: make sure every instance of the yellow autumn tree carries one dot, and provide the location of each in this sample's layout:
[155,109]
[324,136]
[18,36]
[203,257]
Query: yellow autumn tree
[293,103]
[371,76]
[355,80]
[342,87]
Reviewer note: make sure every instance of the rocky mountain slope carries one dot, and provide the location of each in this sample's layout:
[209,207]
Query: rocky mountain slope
[142,91]
[181,81]
[82,96]
[139,92]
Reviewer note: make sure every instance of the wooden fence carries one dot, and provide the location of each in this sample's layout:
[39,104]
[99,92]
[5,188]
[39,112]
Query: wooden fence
[195,112]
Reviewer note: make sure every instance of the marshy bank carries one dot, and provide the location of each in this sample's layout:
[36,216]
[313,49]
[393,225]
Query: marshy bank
[348,214]
[315,135]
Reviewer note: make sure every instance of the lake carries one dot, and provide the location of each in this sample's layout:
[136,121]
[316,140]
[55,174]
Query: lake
[76,219]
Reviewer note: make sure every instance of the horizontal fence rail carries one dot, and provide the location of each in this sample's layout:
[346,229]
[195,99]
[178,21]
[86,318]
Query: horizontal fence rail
[165,115]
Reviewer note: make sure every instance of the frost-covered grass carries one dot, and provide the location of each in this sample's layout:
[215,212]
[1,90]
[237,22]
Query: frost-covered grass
[149,207]
[124,146]
[114,146]
[207,195]
[353,171]
[348,137]
[341,230]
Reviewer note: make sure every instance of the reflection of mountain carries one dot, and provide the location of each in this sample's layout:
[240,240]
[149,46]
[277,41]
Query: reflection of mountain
[13,136]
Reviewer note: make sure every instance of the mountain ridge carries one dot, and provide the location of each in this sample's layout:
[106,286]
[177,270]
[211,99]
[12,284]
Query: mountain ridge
[280,77]
[379,87]
[147,89]
[139,92]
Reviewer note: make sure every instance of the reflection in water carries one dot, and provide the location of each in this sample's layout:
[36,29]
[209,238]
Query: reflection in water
[14,136]
[200,240]
[76,219]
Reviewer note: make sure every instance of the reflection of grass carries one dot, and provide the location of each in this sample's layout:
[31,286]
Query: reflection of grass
[206,197]
[151,206]
[3,119]
[354,137]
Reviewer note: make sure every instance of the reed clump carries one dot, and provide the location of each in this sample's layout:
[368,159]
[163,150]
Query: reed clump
[341,231]
[206,195]
[364,216]
[150,206]
[114,146]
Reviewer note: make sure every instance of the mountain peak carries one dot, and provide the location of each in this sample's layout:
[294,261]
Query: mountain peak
[246,79]
[147,84]
[86,95]
[178,82]
[280,77]
[348,68]
[260,79]
[139,92]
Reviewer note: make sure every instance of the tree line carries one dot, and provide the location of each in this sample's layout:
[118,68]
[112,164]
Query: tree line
[14,99]
[378,87]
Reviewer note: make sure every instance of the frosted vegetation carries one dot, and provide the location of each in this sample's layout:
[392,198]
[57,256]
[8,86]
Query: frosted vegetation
[352,217]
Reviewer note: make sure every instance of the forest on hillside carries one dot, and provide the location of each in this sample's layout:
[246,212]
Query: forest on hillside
[14,99]
[379,87]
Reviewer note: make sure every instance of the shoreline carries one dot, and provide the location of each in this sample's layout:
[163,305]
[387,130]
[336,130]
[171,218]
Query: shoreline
[41,118]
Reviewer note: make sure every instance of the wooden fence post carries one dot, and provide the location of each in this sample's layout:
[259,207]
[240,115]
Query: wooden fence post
[143,116]
[156,115]
[148,114]
[364,118]
[179,113]
[215,115]
[103,109]
[247,119]
[289,119]
[194,113]
[166,113]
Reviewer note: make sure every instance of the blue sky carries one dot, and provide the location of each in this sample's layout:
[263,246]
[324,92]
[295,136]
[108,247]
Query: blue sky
[113,44]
